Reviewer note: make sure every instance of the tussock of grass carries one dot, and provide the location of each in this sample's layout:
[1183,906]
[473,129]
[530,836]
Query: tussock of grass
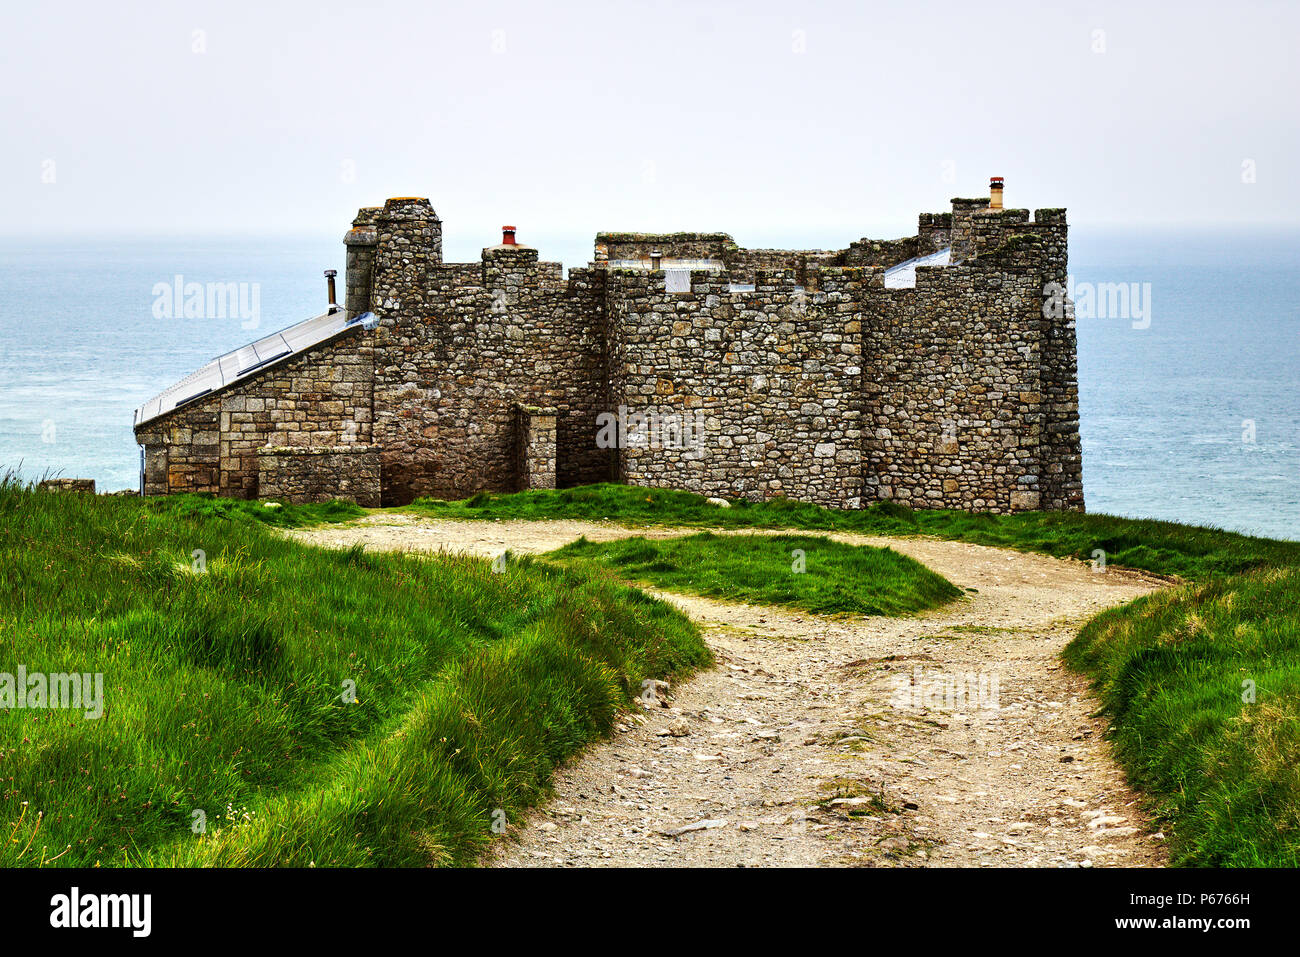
[833,577]
[226,685]
[1165,548]
[1172,669]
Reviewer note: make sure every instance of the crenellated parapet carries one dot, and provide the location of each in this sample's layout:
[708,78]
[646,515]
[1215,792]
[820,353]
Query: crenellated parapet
[923,370]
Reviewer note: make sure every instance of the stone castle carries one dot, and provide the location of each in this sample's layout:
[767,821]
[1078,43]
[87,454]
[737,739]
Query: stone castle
[926,370]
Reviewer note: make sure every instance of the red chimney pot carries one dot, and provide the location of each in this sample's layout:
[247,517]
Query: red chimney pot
[508,236]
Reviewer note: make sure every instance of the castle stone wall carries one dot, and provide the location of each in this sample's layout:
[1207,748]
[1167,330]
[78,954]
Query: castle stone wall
[952,381]
[638,246]
[359,276]
[961,235]
[1062,448]
[819,384]
[772,376]
[972,394]
[319,473]
[933,232]
[881,252]
[454,360]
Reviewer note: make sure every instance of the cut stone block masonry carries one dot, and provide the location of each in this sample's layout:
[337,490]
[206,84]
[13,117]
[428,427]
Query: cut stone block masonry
[923,370]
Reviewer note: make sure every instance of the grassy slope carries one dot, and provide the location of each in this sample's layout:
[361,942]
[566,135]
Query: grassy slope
[1224,772]
[834,577]
[1175,671]
[224,688]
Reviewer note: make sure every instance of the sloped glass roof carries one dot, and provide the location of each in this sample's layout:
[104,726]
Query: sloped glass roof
[228,368]
[903,276]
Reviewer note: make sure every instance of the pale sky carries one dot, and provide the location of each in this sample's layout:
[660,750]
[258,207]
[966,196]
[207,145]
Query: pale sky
[771,121]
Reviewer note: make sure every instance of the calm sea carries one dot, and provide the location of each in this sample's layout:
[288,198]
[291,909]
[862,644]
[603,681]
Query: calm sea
[1189,347]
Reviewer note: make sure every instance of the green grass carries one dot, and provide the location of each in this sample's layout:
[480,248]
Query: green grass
[226,677]
[276,514]
[1174,670]
[1165,548]
[801,571]
[223,686]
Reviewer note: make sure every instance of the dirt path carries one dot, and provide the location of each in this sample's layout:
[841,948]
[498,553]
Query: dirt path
[817,741]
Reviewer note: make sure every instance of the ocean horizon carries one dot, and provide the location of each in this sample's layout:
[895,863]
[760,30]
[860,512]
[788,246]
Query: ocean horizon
[1188,345]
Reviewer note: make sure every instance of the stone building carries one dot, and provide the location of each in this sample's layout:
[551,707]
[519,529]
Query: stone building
[931,370]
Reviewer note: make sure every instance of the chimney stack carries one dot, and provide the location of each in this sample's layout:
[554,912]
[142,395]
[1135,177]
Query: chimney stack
[995,192]
[508,236]
[329,279]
